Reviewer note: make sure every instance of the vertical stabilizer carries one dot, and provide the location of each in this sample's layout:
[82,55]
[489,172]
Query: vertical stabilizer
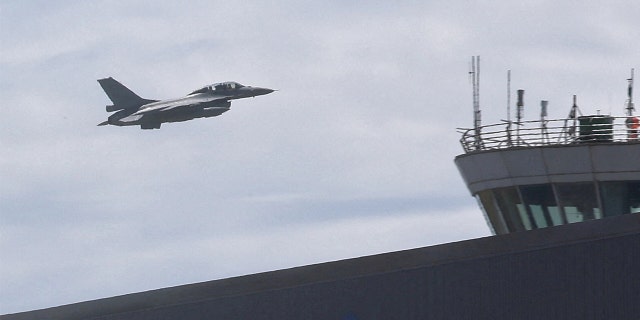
[122,97]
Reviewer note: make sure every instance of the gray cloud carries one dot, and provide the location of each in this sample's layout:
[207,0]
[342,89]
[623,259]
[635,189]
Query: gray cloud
[353,156]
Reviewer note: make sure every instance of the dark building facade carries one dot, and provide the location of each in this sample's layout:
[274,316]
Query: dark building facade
[585,270]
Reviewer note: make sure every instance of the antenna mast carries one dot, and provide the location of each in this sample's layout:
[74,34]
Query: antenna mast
[475,79]
[519,112]
[543,120]
[630,106]
[509,108]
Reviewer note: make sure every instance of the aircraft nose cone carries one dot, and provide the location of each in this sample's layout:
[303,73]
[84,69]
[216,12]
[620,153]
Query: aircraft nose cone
[261,91]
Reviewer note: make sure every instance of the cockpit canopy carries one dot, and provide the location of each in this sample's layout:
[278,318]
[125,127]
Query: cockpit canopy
[219,87]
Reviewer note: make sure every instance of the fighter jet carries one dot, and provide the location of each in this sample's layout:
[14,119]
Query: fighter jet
[209,101]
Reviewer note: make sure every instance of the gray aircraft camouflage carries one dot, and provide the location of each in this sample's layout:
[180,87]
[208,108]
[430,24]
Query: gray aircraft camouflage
[209,101]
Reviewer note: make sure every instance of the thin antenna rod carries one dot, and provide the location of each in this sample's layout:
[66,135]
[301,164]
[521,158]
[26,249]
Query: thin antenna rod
[475,78]
[630,106]
[543,120]
[478,118]
[509,96]
[519,112]
[509,142]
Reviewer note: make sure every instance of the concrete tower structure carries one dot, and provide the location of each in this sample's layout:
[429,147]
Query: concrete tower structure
[535,174]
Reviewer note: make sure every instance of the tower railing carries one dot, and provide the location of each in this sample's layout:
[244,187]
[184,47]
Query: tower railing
[585,129]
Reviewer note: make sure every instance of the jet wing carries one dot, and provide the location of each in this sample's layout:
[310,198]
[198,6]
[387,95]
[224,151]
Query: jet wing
[178,106]
[164,108]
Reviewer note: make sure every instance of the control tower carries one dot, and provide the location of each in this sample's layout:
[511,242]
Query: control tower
[536,174]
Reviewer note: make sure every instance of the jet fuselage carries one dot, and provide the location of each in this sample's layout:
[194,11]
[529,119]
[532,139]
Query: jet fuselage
[209,101]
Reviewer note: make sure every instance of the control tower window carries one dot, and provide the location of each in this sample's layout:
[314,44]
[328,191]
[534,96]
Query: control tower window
[492,213]
[578,201]
[620,197]
[541,205]
[513,211]
[634,197]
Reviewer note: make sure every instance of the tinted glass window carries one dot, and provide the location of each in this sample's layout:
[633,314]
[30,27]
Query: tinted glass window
[578,201]
[492,213]
[614,198]
[634,196]
[620,197]
[541,205]
[513,211]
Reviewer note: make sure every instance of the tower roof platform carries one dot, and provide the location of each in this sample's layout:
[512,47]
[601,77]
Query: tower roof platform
[529,175]
[535,174]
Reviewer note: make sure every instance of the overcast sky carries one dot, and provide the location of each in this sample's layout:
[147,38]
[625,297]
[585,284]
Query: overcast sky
[352,156]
